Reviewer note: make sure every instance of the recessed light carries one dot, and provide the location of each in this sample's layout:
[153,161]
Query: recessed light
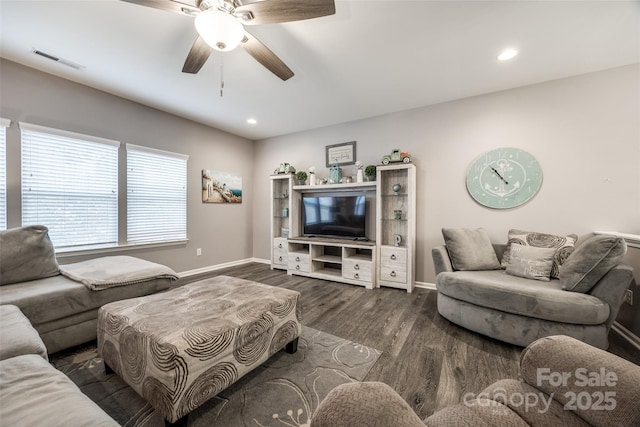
[507,54]
[252,121]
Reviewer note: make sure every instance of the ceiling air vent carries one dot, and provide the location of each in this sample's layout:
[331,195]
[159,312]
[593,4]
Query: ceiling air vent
[57,59]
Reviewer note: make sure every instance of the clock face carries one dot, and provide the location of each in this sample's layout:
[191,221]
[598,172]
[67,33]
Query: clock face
[504,178]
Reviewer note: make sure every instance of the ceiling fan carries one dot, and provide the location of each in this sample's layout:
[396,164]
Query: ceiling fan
[220,26]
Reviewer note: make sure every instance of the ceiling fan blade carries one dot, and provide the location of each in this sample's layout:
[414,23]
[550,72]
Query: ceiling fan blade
[198,55]
[274,11]
[266,57]
[168,5]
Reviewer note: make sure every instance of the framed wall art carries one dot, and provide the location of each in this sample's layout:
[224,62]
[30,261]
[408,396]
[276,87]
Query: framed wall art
[221,187]
[341,154]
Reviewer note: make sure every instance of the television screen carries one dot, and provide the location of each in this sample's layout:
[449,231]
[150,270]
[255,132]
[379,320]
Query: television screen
[334,216]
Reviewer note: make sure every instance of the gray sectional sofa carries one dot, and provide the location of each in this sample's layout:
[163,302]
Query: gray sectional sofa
[503,301]
[32,392]
[64,311]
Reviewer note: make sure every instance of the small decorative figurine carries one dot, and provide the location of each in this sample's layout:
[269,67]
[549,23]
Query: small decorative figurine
[396,156]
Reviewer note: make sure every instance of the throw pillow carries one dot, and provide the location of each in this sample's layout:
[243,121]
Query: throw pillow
[591,261]
[531,262]
[26,253]
[564,245]
[470,249]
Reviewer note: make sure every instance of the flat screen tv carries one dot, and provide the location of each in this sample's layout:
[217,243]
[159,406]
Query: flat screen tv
[334,216]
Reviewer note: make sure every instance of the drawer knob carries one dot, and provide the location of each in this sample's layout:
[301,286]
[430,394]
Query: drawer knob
[297,259]
[393,274]
[356,267]
[280,258]
[393,256]
[356,276]
[297,267]
[280,246]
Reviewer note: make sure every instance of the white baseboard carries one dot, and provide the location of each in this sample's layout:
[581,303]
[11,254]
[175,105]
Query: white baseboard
[626,335]
[211,268]
[426,285]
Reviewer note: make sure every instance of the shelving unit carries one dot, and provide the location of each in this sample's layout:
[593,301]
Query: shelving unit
[333,259]
[283,223]
[396,225]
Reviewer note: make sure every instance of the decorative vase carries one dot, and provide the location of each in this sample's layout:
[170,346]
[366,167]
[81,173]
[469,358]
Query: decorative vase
[360,176]
[312,179]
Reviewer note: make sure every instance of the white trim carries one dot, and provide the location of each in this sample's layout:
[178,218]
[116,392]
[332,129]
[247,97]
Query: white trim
[155,151]
[626,335]
[5,122]
[426,285]
[67,134]
[632,240]
[211,268]
[94,250]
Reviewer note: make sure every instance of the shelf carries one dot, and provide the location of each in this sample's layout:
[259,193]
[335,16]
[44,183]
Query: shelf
[395,220]
[362,186]
[334,259]
[359,257]
[395,195]
[333,272]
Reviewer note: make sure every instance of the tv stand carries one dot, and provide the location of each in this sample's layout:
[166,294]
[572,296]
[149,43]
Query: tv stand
[338,260]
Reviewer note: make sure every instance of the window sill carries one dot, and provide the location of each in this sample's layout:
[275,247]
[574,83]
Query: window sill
[91,250]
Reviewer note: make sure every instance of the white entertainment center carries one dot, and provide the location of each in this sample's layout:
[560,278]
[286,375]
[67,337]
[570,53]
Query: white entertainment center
[387,261]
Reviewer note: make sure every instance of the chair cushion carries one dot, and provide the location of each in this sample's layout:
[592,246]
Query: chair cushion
[470,249]
[564,246]
[531,262]
[26,253]
[543,300]
[591,261]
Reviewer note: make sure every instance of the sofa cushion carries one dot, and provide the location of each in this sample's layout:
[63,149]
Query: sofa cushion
[526,297]
[34,393]
[470,249]
[591,261]
[26,253]
[564,246]
[18,337]
[57,297]
[531,262]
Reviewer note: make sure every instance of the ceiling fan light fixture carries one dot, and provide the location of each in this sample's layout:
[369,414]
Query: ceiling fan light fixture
[219,29]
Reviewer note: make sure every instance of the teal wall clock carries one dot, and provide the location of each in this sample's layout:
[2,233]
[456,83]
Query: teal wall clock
[504,178]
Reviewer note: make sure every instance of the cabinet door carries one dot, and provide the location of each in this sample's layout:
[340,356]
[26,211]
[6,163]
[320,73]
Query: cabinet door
[280,257]
[356,270]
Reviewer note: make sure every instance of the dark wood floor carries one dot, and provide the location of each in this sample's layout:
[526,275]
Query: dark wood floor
[430,361]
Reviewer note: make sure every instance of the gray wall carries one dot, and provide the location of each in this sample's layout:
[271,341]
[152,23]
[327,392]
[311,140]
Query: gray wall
[584,131]
[224,232]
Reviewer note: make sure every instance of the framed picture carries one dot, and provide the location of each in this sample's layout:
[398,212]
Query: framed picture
[221,187]
[341,154]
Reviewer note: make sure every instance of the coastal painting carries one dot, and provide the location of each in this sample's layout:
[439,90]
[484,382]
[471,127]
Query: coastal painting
[221,187]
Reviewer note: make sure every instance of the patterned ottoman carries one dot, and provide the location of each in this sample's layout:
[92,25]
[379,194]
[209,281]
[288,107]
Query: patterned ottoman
[180,348]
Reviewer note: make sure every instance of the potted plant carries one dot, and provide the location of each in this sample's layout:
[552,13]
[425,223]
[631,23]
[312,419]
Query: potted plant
[370,173]
[301,177]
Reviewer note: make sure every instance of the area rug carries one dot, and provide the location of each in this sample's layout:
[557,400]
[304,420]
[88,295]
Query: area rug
[283,392]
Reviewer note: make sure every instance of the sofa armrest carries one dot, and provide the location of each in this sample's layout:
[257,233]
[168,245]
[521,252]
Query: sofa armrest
[599,387]
[611,289]
[364,404]
[441,260]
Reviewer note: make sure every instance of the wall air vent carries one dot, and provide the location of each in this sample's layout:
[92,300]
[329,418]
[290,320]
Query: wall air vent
[57,59]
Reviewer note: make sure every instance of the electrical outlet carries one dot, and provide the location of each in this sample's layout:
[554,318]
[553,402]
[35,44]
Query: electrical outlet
[198,251]
[628,297]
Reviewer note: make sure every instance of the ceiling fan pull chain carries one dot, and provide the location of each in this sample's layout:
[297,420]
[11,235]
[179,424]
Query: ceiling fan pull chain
[221,74]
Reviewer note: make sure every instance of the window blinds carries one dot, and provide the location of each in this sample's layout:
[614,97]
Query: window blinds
[4,124]
[156,195]
[70,185]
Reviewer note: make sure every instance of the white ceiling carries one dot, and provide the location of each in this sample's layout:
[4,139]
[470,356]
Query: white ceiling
[370,58]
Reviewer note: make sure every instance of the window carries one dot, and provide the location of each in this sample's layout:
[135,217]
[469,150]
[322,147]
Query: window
[70,185]
[4,124]
[156,195]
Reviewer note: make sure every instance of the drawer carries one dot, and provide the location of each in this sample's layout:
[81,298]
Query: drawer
[298,262]
[356,270]
[279,252]
[391,274]
[280,243]
[391,256]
